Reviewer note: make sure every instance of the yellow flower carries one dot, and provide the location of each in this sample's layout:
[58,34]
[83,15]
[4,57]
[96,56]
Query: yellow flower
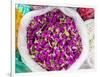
[17,21]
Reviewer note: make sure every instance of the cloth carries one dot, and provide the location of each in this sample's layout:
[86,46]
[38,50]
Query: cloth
[20,66]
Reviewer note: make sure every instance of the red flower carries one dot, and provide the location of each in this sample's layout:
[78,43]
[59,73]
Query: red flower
[86,13]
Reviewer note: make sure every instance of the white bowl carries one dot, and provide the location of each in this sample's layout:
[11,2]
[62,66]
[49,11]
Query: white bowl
[22,44]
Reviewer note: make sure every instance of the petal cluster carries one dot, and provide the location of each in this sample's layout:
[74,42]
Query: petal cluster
[53,40]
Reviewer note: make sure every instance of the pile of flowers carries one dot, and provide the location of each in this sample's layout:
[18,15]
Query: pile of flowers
[86,13]
[18,19]
[53,40]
